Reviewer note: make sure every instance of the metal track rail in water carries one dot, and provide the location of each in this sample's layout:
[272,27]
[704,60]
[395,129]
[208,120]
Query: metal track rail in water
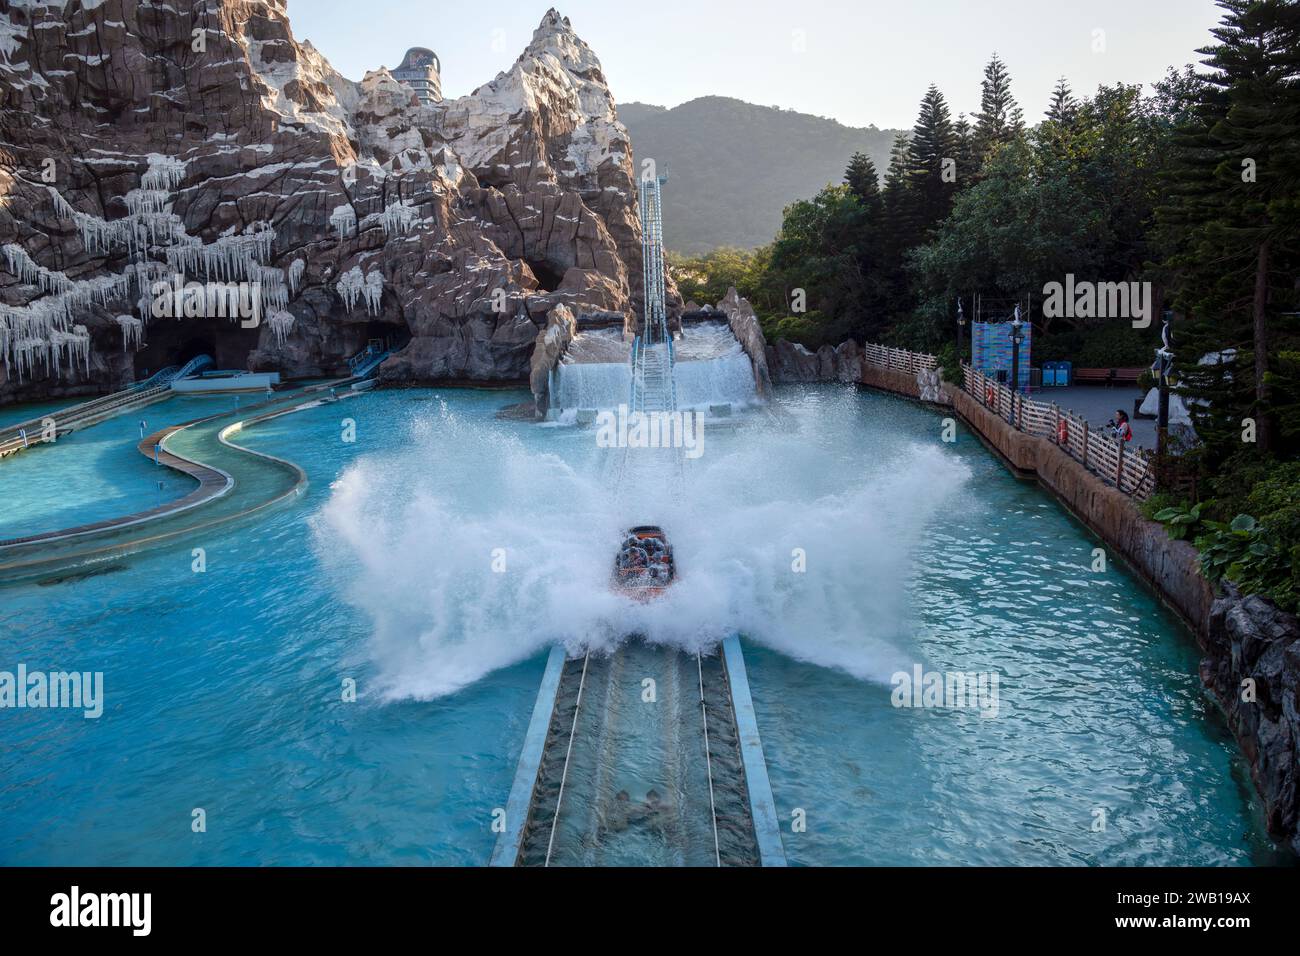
[708,760]
[568,756]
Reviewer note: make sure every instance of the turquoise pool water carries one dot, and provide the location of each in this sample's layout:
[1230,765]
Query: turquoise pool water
[17,414]
[96,473]
[435,557]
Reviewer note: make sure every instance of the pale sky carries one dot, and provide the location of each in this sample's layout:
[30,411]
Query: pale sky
[857,61]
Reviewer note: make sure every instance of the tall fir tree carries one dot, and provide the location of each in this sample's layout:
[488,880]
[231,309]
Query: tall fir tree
[1063,107]
[999,119]
[967,164]
[863,182]
[1235,210]
[931,165]
[897,234]
[895,196]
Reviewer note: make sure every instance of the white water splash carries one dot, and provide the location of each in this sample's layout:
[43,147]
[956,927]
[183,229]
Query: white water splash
[412,535]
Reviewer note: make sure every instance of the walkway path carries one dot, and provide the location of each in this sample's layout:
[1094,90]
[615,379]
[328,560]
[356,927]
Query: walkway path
[1097,404]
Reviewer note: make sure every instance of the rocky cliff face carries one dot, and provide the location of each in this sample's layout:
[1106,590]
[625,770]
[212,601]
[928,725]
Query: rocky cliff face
[1252,667]
[791,362]
[744,325]
[144,141]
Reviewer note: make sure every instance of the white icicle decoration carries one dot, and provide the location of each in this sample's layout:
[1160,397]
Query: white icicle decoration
[281,324]
[295,274]
[374,291]
[165,172]
[44,329]
[132,331]
[275,294]
[349,286]
[62,208]
[22,265]
[146,202]
[77,344]
[344,221]
[398,217]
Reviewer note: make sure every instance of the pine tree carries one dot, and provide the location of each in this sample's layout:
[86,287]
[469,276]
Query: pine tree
[1063,108]
[897,234]
[931,182]
[1235,213]
[894,196]
[999,119]
[863,182]
[967,165]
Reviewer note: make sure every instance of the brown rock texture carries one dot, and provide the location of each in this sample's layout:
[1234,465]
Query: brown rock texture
[551,343]
[791,362]
[141,139]
[744,325]
[1252,667]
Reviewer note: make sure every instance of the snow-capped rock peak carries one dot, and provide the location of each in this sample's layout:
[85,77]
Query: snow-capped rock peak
[555,36]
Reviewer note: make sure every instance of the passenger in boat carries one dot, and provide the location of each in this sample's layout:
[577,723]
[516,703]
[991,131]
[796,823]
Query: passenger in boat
[633,558]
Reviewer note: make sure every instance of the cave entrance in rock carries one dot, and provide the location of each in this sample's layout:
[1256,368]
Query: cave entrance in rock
[394,337]
[196,346]
[548,277]
[176,341]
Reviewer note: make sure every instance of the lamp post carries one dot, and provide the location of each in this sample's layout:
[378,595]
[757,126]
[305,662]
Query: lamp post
[1163,363]
[1017,336]
[961,329]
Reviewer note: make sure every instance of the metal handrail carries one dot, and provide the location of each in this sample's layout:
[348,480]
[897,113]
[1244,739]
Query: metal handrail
[192,366]
[1106,459]
[77,413]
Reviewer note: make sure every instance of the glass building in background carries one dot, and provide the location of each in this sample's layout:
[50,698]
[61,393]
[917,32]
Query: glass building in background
[421,71]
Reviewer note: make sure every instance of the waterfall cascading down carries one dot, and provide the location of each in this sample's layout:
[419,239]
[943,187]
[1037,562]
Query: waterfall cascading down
[704,367]
[711,368]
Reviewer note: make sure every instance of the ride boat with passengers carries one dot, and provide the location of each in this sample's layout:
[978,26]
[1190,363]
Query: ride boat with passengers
[645,565]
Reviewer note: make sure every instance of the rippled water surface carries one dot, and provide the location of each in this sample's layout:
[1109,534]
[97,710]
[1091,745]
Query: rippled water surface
[844,540]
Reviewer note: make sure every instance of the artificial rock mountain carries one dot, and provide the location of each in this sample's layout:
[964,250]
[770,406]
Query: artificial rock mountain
[140,141]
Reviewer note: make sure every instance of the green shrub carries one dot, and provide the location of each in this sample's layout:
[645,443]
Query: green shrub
[950,364]
[1259,549]
[1180,521]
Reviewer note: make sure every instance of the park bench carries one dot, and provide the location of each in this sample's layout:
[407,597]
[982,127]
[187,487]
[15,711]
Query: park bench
[1108,376]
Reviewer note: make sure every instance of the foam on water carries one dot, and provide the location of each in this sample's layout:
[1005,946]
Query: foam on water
[413,538]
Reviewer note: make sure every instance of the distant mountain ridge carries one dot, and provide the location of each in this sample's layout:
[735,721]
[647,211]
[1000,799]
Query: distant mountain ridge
[734,166]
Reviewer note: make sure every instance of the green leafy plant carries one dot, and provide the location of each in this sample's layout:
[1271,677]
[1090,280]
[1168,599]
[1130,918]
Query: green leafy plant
[1227,547]
[950,363]
[1253,556]
[1179,521]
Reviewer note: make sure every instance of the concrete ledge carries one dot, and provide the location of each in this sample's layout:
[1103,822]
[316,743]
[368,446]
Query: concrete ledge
[506,852]
[33,556]
[900,383]
[762,808]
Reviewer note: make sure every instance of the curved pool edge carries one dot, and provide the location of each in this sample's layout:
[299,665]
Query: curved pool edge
[33,564]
